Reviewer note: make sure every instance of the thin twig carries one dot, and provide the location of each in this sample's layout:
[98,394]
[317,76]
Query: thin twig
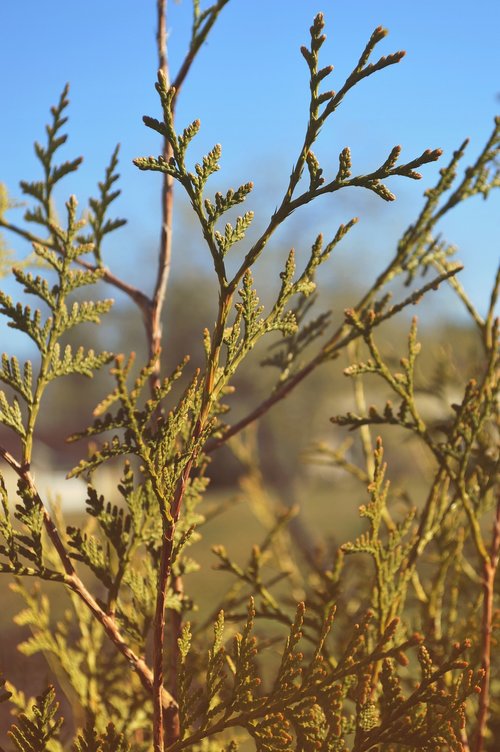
[490,566]
[330,350]
[172,732]
[198,38]
[359,398]
[489,324]
[154,333]
[73,581]
[153,324]
[140,298]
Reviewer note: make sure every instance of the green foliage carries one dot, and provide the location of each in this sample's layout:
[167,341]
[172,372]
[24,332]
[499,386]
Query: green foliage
[46,334]
[35,732]
[97,220]
[41,190]
[110,741]
[4,695]
[390,644]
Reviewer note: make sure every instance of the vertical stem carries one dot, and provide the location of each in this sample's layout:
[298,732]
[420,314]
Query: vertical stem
[489,571]
[158,642]
[359,398]
[167,726]
[154,328]
[162,724]
[161,36]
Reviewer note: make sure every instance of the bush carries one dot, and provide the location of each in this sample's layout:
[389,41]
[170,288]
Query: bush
[391,644]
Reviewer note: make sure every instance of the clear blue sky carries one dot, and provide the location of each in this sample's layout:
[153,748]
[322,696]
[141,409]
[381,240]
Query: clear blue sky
[249,88]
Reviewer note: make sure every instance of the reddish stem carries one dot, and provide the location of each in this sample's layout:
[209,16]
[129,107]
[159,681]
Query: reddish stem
[161,723]
[490,566]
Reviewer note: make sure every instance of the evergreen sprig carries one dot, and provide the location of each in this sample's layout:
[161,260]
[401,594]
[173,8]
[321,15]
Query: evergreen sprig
[52,173]
[351,672]
[46,335]
[158,448]
[91,741]
[35,733]
[390,557]
[97,219]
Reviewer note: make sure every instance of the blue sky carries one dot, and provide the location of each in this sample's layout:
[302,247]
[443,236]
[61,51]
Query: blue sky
[249,88]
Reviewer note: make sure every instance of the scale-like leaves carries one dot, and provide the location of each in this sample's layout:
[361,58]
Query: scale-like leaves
[37,286]
[391,698]
[34,732]
[8,547]
[110,741]
[345,164]
[328,689]
[109,449]
[290,668]
[88,548]
[224,203]
[208,166]
[142,585]
[188,134]
[113,521]
[250,308]
[24,320]
[81,362]
[97,218]
[216,675]
[390,556]
[233,234]
[245,680]
[11,416]
[42,190]
[157,164]
[30,513]
[316,178]
[190,700]
[4,694]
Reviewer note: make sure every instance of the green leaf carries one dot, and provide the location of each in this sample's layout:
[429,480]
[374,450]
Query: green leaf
[88,548]
[224,203]
[81,362]
[4,694]
[110,741]
[10,374]
[23,320]
[34,734]
[208,166]
[97,218]
[11,416]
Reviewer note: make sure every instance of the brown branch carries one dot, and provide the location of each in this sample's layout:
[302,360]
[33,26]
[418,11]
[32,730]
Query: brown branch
[73,581]
[491,323]
[141,300]
[330,350]
[160,728]
[25,234]
[168,727]
[153,321]
[490,566]
[197,40]
[159,724]
[161,36]
[266,404]
[154,334]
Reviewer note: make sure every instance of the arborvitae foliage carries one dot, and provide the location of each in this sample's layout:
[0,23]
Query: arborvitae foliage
[391,646]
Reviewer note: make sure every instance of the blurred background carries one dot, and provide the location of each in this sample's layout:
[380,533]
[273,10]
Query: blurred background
[249,87]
